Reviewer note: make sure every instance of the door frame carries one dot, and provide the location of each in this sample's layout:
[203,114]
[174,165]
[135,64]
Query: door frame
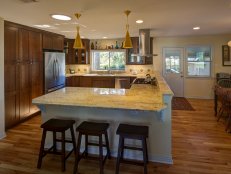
[182,72]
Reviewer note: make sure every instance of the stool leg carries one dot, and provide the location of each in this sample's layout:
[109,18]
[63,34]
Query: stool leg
[107,144]
[101,154]
[86,145]
[54,141]
[41,149]
[77,155]
[119,155]
[122,151]
[73,139]
[145,141]
[144,155]
[63,151]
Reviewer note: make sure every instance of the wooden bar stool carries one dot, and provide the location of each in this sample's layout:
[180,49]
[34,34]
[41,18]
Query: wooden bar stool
[57,125]
[92,129]
[132,132]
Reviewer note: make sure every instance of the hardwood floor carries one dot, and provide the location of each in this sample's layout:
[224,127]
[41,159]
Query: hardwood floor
[200,146]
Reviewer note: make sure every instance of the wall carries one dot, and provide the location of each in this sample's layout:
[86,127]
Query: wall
[191,87]
[2,113]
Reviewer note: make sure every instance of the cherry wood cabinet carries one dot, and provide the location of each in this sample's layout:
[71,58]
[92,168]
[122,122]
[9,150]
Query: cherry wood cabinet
[93,81]
[53,41]
[134,60]
[11,74]
[77,56]
[85,81]
[23,72]
[103,82]
[72,81]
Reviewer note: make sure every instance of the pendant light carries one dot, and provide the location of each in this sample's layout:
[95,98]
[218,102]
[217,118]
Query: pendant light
[229,43]
[78,42]
[128,41]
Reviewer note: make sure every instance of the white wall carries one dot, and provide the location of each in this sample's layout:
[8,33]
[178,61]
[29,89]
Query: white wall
[195,87]
[2,108]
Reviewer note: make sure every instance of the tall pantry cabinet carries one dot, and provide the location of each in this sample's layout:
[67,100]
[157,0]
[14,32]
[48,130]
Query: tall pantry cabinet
[23,72]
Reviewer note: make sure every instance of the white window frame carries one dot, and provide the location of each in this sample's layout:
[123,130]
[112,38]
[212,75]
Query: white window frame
[186,62]
[117,50]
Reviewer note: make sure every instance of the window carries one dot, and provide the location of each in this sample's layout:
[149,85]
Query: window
[198,61]
[172,60]
[108,60]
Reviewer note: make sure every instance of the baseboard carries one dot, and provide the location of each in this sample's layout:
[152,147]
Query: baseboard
[137,155]
[2,135]
[199,97]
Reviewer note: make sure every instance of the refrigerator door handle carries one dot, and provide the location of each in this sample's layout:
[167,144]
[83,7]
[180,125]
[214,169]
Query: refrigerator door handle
[57,68]
[54,70]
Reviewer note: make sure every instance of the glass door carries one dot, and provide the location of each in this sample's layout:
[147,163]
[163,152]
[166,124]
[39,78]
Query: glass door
[173,70]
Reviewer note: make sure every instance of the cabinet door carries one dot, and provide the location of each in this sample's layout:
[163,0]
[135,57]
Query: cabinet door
[72,81]
[134,50]
[23,45]
[70,56]
[36,67]
[36,72]
[58,43]
[35,46]
[85,81]
[83,54]
[24,74]
[11,76]
[47,41]
[103,82]
[24,89]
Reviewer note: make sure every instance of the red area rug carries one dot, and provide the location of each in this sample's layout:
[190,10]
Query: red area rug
[181,103]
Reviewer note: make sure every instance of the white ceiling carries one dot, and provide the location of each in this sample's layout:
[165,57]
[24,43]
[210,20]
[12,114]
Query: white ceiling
[106,17]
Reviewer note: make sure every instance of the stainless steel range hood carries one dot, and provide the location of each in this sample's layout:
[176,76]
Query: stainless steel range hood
[144,44]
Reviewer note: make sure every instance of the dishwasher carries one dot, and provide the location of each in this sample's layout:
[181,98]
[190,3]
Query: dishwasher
[122,82]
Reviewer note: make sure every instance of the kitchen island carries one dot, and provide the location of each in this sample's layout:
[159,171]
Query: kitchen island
[142,104]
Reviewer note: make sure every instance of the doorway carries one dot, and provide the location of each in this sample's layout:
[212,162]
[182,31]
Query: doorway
[173,69]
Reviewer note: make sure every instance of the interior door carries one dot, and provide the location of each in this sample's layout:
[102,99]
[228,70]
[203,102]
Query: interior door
[173,69]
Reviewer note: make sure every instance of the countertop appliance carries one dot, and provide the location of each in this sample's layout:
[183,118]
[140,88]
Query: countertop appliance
[54,71]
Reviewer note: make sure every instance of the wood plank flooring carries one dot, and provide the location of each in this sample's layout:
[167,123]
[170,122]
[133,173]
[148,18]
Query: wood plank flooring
[200,146]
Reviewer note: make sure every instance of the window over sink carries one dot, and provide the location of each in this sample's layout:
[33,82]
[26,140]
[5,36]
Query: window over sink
[108,59]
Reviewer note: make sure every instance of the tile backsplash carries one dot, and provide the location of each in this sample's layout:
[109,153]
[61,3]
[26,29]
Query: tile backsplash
[130,69]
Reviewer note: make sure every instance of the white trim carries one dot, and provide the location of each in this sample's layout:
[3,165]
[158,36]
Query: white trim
[2,135]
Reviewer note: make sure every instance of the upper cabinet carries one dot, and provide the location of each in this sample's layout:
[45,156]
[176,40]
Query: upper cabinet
[137,60]
[77,56]
[53,41]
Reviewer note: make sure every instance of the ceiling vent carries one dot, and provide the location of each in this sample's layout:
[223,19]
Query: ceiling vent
[28,1]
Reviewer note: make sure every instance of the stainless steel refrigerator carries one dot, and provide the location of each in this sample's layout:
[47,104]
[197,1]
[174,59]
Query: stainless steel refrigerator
[54,72]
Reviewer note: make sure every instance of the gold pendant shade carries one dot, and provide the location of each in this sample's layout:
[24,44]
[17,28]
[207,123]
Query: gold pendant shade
[78,42]
[127,41]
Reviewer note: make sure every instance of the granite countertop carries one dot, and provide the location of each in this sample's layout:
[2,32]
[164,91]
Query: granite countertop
[103,75]
[142,97]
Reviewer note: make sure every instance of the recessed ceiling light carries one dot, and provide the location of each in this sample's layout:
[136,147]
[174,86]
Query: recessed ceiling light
[139,21]
[196,28]
[43,26]
[104,37]
[61,17]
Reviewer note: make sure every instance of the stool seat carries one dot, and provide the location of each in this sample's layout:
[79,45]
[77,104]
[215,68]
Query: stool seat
[57,124]
[92,127]
[132,130]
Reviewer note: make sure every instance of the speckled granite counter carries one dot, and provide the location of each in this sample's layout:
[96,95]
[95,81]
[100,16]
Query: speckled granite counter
[139,97]
[139,105]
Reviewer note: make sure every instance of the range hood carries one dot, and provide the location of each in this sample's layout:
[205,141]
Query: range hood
[144,44]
